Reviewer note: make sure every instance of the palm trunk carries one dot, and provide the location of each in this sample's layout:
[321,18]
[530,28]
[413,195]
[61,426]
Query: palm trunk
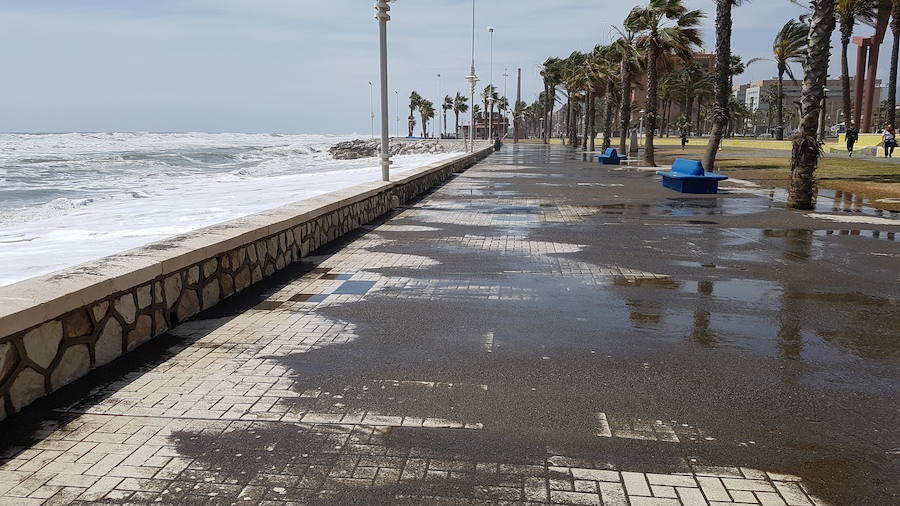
[607,121]
[699,111]
[892,83]
[551,103]
[652,99]
[456,132]
[846,32]
[587,119]
[593,123]
[546,136]
[625,109]
[779,109]
[723,91]
[806,150]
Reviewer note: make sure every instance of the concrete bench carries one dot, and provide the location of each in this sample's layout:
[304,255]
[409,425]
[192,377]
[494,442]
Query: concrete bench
[610,157]
[688,176]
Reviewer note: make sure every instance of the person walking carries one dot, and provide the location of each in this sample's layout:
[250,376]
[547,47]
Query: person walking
[851,137]
[889,140]
[684,137]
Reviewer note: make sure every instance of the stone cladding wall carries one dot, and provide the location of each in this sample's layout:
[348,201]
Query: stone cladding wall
[48,356]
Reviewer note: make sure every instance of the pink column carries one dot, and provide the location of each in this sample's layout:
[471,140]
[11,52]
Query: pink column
[862,44]
[870,87]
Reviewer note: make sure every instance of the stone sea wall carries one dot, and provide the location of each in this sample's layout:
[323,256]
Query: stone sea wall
[56,328]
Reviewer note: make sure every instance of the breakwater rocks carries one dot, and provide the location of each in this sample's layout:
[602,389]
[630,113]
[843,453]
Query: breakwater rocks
[363,148]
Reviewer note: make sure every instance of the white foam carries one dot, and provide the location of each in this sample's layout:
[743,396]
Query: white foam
[844,218]
[146,191]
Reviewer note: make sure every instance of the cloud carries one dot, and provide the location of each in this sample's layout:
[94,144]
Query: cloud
[289,65]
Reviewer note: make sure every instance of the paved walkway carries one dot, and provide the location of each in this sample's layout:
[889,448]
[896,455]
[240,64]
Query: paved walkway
[538,330]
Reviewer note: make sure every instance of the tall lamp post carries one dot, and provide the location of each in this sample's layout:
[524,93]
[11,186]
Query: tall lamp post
[397,100]
[372,106]
[381,14]
[439,106]
[490,99]
[473,80]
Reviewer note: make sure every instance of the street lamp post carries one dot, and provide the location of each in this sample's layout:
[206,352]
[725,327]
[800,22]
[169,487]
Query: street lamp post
[490,103]
[381,14]
[439,109]
[473,80]
[372,106]
[397,101]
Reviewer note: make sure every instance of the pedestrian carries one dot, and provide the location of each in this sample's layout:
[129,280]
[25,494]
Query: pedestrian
[889,138]
[851,137]
[684,137]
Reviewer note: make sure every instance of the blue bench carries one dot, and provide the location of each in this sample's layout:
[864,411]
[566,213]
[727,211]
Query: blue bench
[610,157]
[688,176]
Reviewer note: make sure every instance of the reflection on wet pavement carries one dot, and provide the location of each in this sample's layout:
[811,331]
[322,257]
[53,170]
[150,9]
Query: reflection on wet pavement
[531,340]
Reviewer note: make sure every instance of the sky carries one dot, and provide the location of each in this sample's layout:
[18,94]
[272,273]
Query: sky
[297,66]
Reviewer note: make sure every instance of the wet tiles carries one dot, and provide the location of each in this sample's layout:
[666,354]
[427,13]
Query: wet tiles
[336,276]
[268,305]
[355,287]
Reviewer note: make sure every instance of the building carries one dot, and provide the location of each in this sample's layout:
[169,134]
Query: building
[756,97]
[501,127]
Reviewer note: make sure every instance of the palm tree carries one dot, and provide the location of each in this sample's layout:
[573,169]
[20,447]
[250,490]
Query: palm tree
[607,70]
[805,151]
[446,106]
[459,106]
[574,81]
[789,47]
[666,27]
[502,106]
[426,112]
[848,12]
[415,101]
[552,75]
[895,52]
[723,80]
[489,96]
[629,57]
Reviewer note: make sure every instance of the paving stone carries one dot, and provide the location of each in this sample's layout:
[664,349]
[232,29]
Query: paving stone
[144,296]
[99,310]
[188,305]
[78,324]
[691,496]
[142,332]
[9,358]
[792,493]
[211,294]
[713,489]
[126,308]
[635,484]
[75,363]
[42,343]
[172,289]
[109,344]
[27,386]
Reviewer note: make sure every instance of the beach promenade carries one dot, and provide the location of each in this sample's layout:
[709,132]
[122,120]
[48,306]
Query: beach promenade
[538,329]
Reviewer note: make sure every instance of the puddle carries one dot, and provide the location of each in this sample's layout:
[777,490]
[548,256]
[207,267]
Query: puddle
[667,283]
[688,263]
[836,201]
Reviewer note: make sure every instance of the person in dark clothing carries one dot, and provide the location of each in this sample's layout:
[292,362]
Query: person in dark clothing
[851,137]
[684,137]
[890,140]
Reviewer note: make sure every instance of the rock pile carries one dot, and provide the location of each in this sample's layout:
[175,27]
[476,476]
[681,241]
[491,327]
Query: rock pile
[362,148]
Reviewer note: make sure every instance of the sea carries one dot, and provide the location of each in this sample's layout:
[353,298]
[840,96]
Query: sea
[70,198]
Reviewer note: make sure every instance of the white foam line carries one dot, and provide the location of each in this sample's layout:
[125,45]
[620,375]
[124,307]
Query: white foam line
[871,220]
